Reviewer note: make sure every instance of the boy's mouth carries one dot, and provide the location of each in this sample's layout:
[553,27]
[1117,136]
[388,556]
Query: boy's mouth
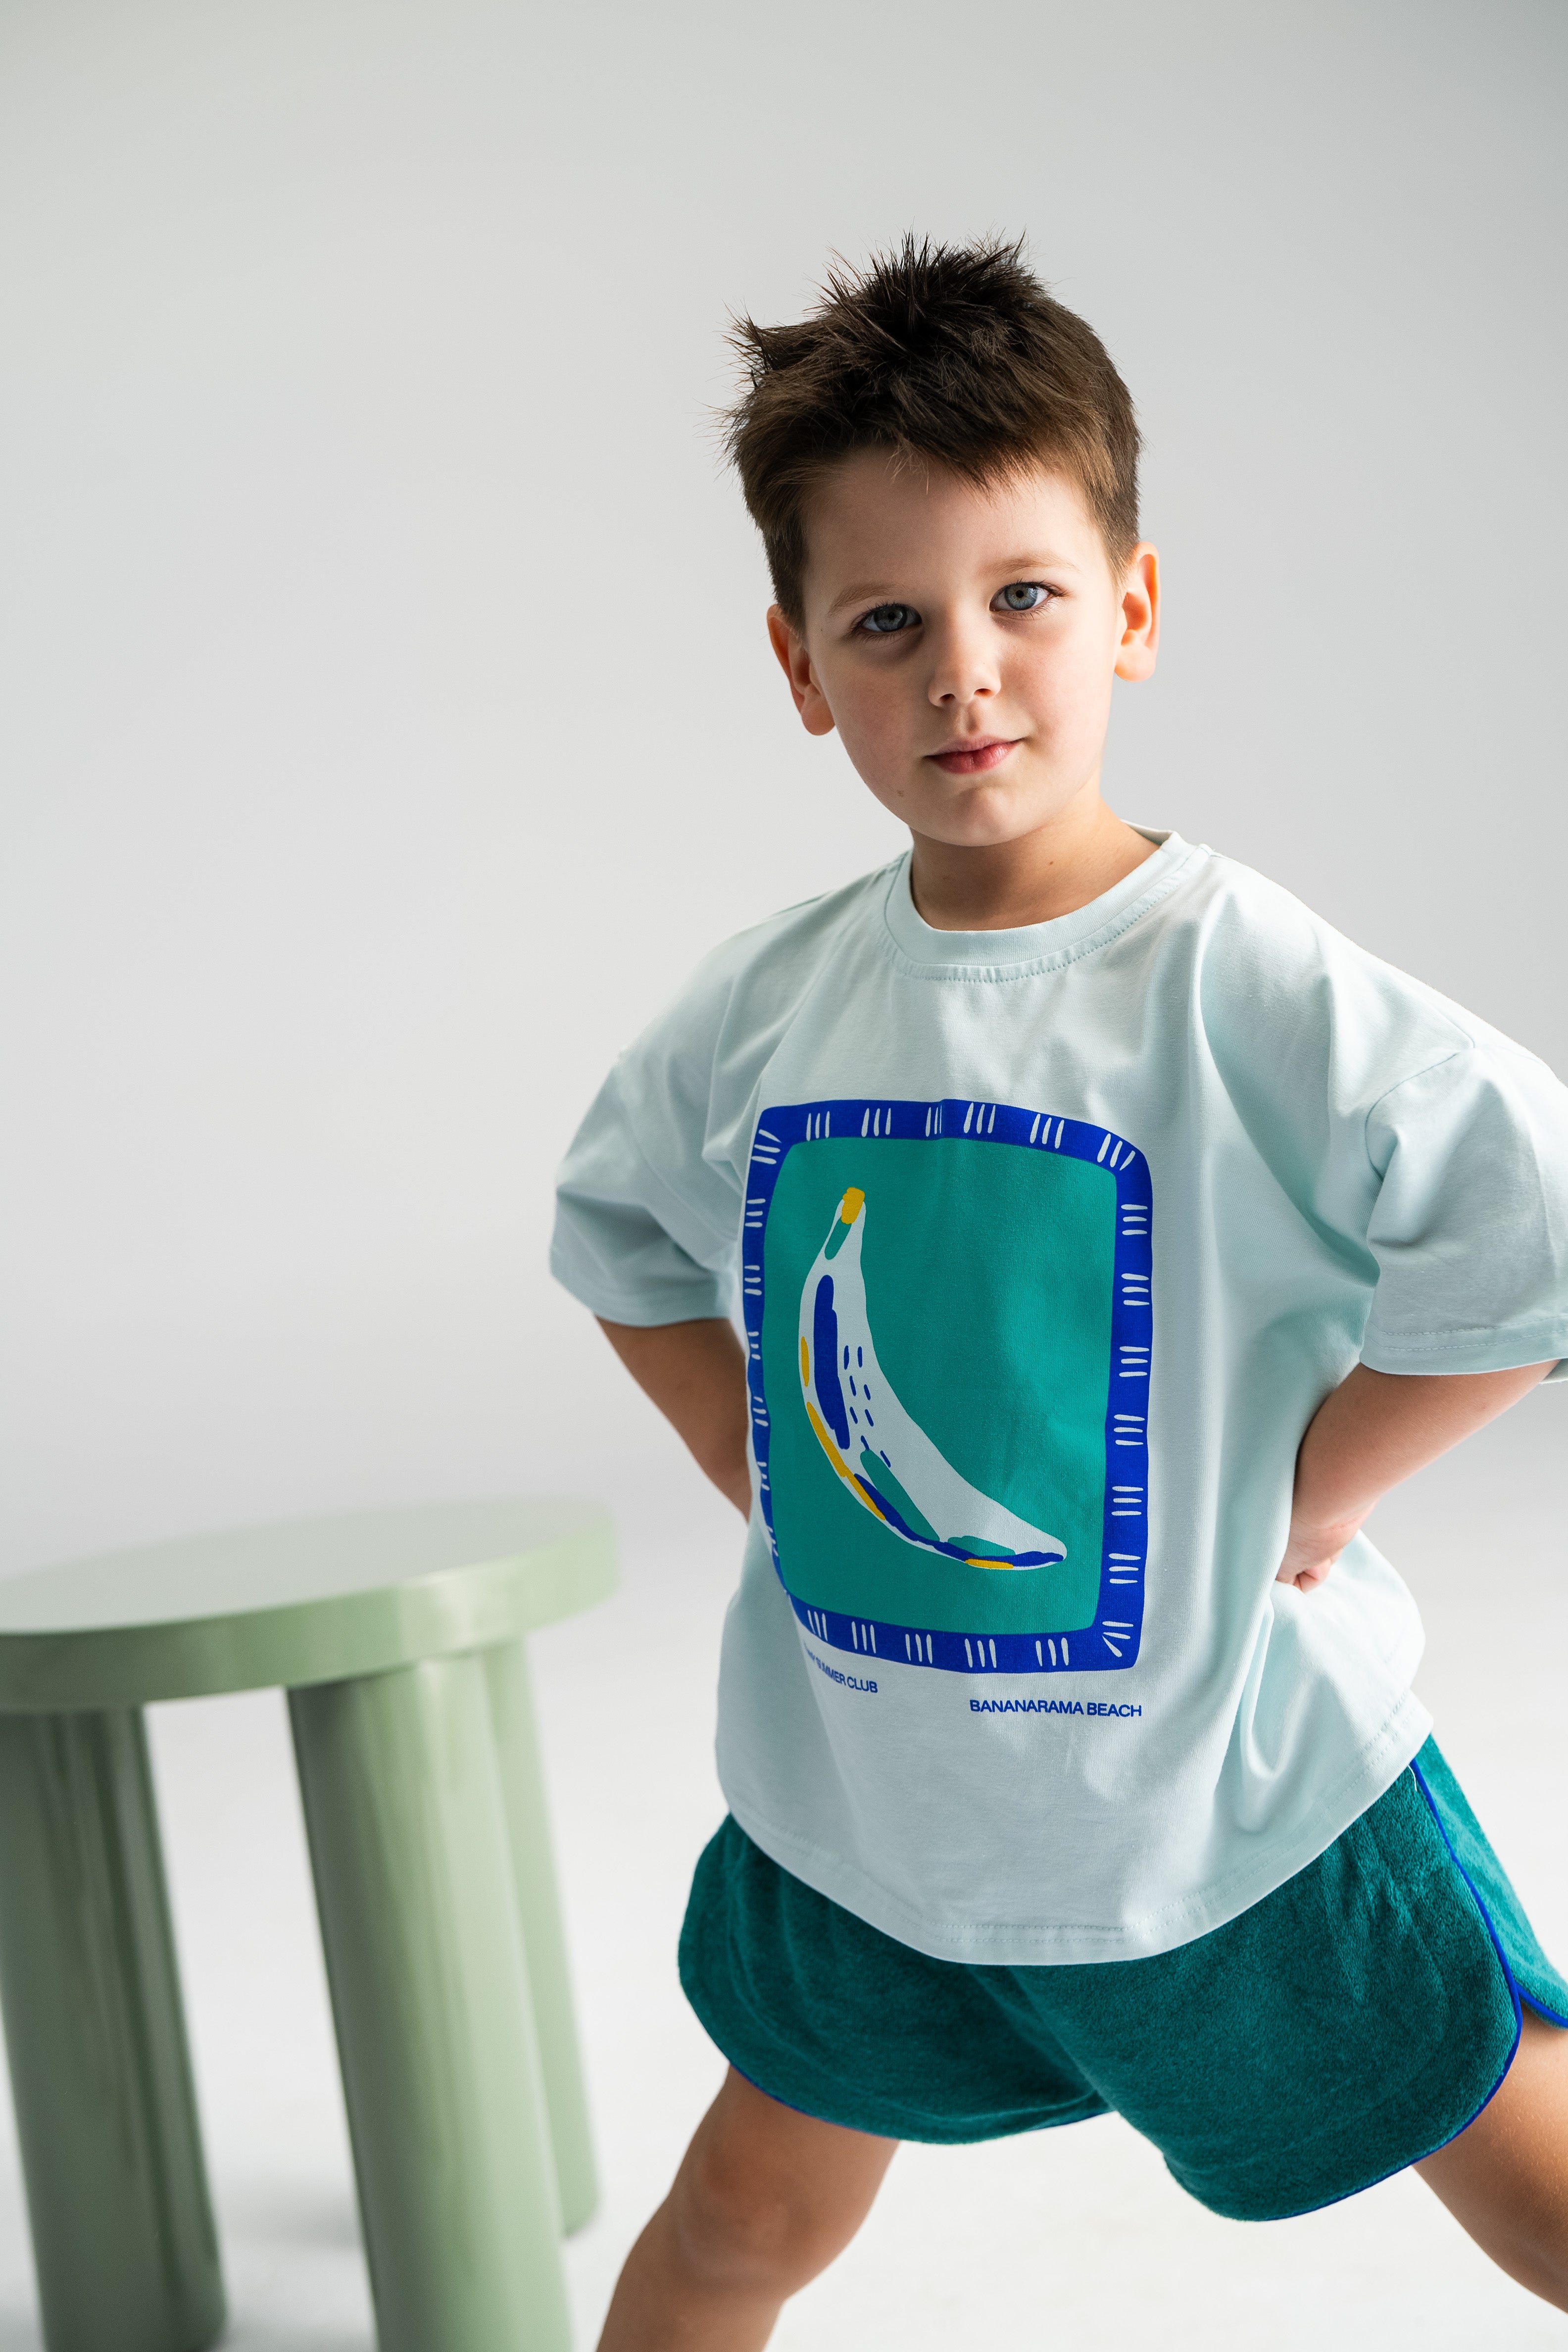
[973,758]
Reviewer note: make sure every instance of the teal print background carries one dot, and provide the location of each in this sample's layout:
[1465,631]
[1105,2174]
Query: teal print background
[988,1278]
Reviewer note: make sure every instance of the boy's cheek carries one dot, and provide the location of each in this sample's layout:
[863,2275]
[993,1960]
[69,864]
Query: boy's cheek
[879,746]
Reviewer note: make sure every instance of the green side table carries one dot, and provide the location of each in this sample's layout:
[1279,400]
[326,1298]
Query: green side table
[399,1638]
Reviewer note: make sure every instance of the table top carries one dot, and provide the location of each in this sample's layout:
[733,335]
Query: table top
[304,1600]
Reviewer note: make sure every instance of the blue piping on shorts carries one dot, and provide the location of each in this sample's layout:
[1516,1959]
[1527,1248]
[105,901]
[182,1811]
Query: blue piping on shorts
[1521,1999]
[1517,1994]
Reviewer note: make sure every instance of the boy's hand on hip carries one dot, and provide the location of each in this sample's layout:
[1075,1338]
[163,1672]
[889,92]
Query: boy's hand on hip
[1370,1433]
[1310,1552]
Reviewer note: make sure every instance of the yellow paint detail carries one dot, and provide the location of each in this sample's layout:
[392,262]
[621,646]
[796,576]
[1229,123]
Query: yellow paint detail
[804,1365]
[833,1455]
[851,1206]
[988,1563]
[826,1441]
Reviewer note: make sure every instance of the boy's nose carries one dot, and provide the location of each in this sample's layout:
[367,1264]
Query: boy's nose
[965,669]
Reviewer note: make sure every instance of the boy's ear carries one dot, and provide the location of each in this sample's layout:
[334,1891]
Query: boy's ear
[795,662]
[1140,613]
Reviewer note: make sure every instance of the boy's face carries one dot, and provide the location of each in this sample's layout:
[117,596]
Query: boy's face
[964,642]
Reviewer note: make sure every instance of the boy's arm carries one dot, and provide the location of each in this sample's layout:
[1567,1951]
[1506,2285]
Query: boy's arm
[1371,1432]
[696,1374]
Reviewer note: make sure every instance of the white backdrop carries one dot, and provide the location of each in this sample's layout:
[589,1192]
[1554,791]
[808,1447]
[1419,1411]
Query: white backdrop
[387,719]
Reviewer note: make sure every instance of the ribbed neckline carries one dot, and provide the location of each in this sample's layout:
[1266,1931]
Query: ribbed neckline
[1038,945]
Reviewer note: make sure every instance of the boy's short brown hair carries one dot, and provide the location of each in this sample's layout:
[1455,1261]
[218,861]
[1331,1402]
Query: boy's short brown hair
[952,355]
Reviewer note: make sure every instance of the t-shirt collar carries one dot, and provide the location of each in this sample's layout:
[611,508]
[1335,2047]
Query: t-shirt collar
[1060,940]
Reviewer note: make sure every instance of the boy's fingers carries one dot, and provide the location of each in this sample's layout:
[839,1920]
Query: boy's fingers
[1305,1579]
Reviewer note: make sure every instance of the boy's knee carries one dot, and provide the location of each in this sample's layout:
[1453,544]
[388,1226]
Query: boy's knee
[739,2226]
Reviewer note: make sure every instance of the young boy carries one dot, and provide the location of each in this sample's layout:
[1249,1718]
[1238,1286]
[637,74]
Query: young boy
[1109,1235]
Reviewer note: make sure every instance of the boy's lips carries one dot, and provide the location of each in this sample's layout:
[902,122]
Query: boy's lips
[973,758]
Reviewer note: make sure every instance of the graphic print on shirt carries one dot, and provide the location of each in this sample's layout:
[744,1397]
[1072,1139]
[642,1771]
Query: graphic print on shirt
[948,1312]
[893,1485]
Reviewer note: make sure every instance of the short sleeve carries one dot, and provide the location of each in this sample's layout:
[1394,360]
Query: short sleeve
[1471,1225]
[630,1241]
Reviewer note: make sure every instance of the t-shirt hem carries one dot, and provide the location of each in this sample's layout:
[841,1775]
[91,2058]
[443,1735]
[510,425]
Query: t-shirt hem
[651,1305]
[1482,1350]
[1033,1943]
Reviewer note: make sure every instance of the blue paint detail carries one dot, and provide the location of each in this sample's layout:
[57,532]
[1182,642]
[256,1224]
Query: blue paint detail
[1014,1651]
[923,1534]
[1112,1639]
[825,1360]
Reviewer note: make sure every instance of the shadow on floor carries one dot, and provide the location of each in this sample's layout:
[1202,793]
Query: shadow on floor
[273,2213]
[19,2333]
[294,2267]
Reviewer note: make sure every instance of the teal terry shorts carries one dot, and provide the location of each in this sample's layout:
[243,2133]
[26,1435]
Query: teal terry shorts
[1340,2030]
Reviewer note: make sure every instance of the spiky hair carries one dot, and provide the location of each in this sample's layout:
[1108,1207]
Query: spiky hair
[940,354]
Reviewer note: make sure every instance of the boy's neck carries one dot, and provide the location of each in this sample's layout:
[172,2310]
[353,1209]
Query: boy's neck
[1005,886]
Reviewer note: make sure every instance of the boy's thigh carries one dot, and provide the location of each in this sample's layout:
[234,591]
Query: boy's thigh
[1505,2176]
[760,2180]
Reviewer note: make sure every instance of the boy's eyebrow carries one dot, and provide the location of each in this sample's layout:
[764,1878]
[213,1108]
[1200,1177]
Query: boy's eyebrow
[1037,561]
[860,594]
[870,591]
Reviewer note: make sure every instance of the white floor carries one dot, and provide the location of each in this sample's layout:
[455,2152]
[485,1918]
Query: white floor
[1060,2237]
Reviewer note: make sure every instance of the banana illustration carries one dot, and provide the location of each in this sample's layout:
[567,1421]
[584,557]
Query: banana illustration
[885,1458]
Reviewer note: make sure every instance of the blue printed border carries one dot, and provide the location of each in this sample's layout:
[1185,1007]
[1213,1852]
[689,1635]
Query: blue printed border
[1112,1639]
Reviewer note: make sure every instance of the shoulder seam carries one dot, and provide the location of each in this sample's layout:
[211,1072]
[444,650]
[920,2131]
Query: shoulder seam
[1438,1062]
[725,1241]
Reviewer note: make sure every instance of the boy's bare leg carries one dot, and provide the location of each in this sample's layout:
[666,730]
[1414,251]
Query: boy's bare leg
[1505,2178]
[764,2200]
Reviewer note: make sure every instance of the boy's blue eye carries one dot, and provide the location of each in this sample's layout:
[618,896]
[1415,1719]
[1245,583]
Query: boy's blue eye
[1023,597]
[887,620]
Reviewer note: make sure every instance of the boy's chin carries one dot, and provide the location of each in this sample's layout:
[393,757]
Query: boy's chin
[980,821]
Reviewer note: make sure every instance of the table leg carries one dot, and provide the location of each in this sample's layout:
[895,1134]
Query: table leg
[533,1868]
[410,1850]
[123,2241]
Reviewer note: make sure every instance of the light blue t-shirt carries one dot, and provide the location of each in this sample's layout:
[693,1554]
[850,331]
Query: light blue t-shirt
[1048,1243]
